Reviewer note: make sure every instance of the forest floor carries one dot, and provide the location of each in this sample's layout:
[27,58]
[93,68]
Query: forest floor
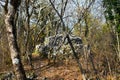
[61,70]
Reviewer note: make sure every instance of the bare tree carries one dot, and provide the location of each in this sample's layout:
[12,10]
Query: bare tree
[11,34]
[27,26]
[68,38]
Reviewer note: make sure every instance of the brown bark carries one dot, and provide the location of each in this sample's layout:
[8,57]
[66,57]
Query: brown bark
[11,31]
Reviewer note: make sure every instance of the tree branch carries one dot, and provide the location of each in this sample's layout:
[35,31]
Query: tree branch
[5,7]
[60,16]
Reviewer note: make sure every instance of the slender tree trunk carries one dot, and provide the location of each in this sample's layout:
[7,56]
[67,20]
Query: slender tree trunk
[76,58]
[118,45]
[11,34]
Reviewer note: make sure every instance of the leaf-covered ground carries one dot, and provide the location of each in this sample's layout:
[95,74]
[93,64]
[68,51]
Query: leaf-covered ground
[62,70]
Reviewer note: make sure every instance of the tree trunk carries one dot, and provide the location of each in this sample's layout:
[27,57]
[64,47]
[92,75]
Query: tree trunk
[118,45]
[76,58]
[11,34]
